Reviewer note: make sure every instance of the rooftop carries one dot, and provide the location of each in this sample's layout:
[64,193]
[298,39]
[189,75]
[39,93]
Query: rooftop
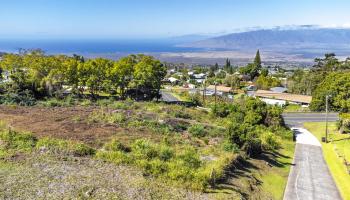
[284,96]
[220,88]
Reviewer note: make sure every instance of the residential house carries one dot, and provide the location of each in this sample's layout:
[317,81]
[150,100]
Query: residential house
[279,89]
[271,97]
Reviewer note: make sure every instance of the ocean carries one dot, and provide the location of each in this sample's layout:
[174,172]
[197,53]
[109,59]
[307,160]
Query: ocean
[90,46]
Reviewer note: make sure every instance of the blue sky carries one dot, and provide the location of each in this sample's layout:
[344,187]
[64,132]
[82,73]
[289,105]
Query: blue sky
[160,18]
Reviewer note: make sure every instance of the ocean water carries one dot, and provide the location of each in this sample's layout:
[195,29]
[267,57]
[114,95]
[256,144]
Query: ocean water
[85,46]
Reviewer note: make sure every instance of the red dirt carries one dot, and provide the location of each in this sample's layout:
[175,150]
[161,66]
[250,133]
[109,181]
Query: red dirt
[64,123]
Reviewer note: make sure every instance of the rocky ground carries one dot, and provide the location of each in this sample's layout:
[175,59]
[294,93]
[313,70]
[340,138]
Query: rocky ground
[47,177]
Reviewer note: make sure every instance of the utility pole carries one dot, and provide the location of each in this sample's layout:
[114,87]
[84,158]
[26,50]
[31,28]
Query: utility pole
[204,93]
[215,94]
[327,97]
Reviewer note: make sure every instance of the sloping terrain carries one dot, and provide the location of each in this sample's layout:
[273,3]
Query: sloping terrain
[42,170]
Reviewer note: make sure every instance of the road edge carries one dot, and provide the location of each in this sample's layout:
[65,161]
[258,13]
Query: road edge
[329,171]
[290,173]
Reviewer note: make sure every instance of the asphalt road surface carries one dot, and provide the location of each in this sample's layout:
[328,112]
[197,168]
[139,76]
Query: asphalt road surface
[309,177]
[168,97]
[298,119]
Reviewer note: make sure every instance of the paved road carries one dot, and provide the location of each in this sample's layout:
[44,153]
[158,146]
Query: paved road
[168,97]
[297,119]
[309,177]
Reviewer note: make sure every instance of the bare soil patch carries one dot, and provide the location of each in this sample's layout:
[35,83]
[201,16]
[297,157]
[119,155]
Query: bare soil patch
[66,123]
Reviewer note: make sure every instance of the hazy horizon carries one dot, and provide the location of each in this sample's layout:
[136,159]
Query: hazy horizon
[136,19]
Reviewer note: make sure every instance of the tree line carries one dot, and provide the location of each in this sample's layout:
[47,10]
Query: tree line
[328,77]
[138,76]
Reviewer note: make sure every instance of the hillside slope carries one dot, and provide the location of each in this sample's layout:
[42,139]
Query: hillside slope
[282,39]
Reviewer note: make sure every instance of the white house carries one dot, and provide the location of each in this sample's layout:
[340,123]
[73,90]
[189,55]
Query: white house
[199,76]
[173,80]
[275,97]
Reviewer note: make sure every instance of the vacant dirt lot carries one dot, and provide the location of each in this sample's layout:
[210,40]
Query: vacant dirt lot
[66,123]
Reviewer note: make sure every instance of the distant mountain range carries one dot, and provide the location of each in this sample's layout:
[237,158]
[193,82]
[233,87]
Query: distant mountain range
[302,38]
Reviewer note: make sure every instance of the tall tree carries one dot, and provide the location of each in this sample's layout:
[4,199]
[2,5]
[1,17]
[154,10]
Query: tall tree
[216,67]
[93,75]
[148,75]
[257,59]
[122,74]
[336,84]
[227,64]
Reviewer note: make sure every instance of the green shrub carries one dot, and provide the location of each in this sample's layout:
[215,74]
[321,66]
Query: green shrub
[53,145]
[197,130]
[270,141]
[115,118]
[179,112]
[179,171]
[120,105]
[155,167]
[166,153]
[22,98]
[229,146]
[56,102]
[85,102]
[23,142]
[69,100]
[144,149]
[184,167]
[53,102]
[116,157]
[105,102]
[252,146]
[102,116]
[221,110]
[115,145]
[157,127]
[80,149]
[58,146]
[190,158]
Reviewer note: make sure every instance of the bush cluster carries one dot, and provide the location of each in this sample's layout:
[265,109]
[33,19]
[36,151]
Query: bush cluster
[197,130]
[251,125]
[161,160]
[12,142]
[22,98]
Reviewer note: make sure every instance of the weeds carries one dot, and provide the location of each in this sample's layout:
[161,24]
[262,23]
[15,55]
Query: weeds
[161,160]
[197,130]
[57,146]
[103,116]
[12,142]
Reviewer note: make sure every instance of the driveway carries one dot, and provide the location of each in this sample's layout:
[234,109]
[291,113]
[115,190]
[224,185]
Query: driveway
[168,97]
[309,177]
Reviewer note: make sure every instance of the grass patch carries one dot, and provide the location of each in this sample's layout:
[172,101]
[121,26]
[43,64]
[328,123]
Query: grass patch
[65,147]
[182,165]
[295,108]
[334,153]
[12,143]
[103,116]
[275,180]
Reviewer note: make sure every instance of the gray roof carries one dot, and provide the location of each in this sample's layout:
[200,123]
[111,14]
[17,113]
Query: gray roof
[279,89]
